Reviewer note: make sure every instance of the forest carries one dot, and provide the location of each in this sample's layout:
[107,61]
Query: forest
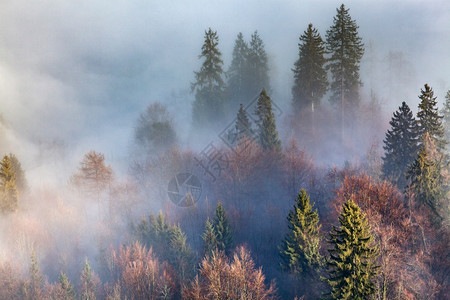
[255,200]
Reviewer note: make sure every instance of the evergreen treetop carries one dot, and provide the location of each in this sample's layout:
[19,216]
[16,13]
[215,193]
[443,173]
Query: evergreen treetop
[243,126]
[257,65]
[429,119]
[209,239]
[310,76]
[299,251]
[351,265]
[209,84]
[346,49]
[400,145]
[237,72]
[268,134]
[222,229]
[8,188]
[446,117]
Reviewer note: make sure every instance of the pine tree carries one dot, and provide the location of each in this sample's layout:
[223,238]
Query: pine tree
[351,265]
[66,290]
[36,279]
[310,76]
[21,181]
[400,145]
[222,230]
[8,189]
[446,120]
[236,88]
[429,119]
[243,126]
[257,66]
[299,251]
[209,239]
[268,134]
[209,84]
[88,285]
[425,180]
[346,49]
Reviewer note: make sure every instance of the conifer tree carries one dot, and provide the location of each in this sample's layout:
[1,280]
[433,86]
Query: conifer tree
[257,66]
[346,49]
[243,126]
[88,284]
[310,76]
[425,180]
[222,229]
[66,290]
[36,280]
[8,189]
[299,251]
[351,265]
[401,145]
[268,134]
[429,119]
[209,239]
[237,73]
[21,181]
[446,120]
[209,84]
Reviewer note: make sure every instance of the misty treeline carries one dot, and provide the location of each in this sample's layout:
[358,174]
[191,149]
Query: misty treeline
[271,222]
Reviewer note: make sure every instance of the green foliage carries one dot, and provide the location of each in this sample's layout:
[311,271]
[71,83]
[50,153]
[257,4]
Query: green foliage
[426,181]
[209,84]
[351,265]
[310,76]
[209,239]
[168,242]
[8,188]
[21,181]
[268,134]
[222,230]
[66,290]
[429,119]
[346,49]
[400,145]
[299,251]
[243,126]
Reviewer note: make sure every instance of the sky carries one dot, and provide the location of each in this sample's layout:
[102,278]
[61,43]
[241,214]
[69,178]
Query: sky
[75,75]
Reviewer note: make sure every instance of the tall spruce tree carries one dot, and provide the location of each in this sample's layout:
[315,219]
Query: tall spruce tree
[346,49]
[88,286]
[209,239]
[257,66]
[222,230]
[429,119]
[268,134]
[425,180]
[299,251]
[8,188]
[209,84]
[243,126]
[446,120]
[66,290]
[401,145]
[310,76]
[351,265]
[237,73]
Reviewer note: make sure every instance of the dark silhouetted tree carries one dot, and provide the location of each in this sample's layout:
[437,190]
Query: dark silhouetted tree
[351,265]
[401,145]
[429,119]
[209,84]
[310,76]
[268,134]
[346,50]
[237,73]
[446,114]
[243,125]
[299,250]
[222,229]
[257,66]
[154,130]
[8,188]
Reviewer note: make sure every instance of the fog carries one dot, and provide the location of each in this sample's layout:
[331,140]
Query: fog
[76,75]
